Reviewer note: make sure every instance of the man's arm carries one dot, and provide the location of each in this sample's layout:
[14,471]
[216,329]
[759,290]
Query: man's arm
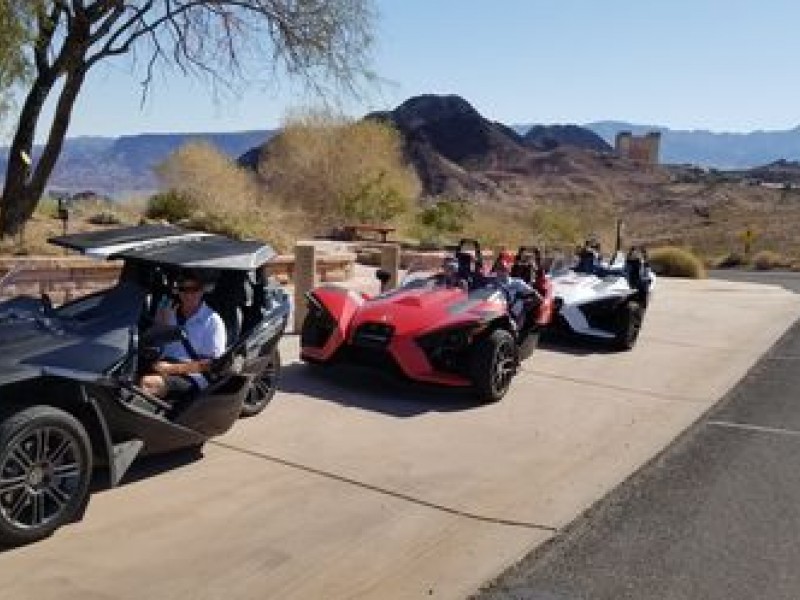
[188,367]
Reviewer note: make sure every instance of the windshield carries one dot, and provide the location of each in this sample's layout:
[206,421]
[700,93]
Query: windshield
[20,298]
[418,276]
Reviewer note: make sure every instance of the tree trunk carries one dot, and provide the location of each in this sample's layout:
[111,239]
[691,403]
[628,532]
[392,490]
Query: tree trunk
[25,184]
[15,196]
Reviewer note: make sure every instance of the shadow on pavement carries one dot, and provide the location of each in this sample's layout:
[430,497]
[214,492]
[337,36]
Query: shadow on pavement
[372,390]
[148,466]
[576,345]
[142,468]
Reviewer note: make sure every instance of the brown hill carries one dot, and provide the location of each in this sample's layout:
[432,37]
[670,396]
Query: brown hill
[460,154]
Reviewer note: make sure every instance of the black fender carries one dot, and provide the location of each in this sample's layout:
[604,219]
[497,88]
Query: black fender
[117,457]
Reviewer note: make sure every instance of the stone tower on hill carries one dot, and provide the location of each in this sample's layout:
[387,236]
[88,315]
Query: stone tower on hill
[641,148]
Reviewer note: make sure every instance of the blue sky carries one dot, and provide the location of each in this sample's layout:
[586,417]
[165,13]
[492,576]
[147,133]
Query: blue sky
[723,65]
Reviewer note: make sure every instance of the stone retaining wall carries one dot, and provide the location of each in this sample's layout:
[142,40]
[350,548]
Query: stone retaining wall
[67,277]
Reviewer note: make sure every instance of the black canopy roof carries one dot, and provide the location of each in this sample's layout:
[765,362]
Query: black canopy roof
[166,244]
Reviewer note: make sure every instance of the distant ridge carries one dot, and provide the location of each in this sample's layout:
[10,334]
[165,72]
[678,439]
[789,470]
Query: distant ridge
[448,141]
[709,149]
[124,165]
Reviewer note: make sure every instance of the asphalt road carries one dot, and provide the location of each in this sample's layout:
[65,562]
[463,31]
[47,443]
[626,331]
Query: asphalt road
[714,516]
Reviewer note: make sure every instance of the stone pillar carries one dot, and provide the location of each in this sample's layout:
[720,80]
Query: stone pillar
[305,279]
[390,261]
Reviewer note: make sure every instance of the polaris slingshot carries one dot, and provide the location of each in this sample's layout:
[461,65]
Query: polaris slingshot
[431,330]
[69,394]
[603,300]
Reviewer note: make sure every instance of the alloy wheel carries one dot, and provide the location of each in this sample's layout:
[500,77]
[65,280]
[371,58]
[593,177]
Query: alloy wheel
[41,471]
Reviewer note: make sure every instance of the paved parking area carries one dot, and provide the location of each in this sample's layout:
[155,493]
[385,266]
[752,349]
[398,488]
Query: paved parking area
[353,486]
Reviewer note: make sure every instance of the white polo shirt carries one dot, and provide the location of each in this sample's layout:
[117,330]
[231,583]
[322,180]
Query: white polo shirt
[206,333]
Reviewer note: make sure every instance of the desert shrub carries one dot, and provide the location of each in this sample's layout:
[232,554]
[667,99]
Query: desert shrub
[336,169]
[440,222]
[553,226]
[172,206]
[445,216]
[672,261]
[373,200]
[47,207]
[104,218]
[208,191]
[766,260]
[732,260]
[209,180]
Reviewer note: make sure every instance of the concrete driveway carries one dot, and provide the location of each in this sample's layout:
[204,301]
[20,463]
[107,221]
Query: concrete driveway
[354,486]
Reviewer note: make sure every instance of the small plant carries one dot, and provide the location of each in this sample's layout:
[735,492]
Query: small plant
[445,216]
[171,206]
[767,260]
[672,261]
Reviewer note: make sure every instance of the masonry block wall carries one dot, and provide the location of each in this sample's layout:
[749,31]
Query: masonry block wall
[639,148]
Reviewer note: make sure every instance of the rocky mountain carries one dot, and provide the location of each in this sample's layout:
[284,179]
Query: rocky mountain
[120,166]
[549,137]
[458,152]
[454,148]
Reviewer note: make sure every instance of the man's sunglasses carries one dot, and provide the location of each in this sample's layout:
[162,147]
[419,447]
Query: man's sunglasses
[190,289]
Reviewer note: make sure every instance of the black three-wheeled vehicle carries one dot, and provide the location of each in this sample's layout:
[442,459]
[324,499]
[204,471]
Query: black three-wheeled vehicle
[69,399]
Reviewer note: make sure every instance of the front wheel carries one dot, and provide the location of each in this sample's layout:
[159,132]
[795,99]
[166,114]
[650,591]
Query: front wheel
[45,470]
[493,364]
[264,385]
[629,323]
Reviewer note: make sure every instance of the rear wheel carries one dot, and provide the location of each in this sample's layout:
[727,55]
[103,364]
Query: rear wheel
[629,323]
[264,385]
[493,364]
[45,470]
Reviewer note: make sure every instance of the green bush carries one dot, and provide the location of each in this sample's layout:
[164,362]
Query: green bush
[171,206]
[671,261]
[373,200]
[445,216]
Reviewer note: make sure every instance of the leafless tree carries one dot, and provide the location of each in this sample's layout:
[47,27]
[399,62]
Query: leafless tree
[322,42]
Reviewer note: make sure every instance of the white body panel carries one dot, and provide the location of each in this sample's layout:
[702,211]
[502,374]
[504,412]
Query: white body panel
[576,290]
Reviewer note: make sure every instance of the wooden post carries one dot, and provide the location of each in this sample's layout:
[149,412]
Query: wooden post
[390,261]
[305,279]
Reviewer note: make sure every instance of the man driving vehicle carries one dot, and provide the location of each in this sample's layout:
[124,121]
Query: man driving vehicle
[517,290]
[450,277]
[180,370]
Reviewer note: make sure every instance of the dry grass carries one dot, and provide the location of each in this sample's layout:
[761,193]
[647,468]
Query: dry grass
[227,199]
[767,260]
[337,170]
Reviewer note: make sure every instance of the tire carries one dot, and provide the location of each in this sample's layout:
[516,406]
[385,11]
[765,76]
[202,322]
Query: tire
[263,387]
[493,363]
[629,324]
[45,471]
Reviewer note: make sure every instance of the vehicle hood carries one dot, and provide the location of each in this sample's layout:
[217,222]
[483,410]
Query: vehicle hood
[577,288]
[32,345]
[416,311]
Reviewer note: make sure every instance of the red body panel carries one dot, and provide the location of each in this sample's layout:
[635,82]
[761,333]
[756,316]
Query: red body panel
[411,313]
[547,308]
